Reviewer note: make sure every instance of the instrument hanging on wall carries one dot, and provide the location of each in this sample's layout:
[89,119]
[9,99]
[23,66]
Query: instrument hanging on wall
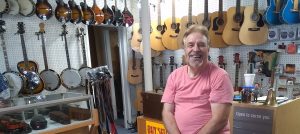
[34,84]
[134,73]
[4,7]
[290,12]
[185,23]
[154,53]
[253,31]
[272,13]
[62,12]
[221,62]
[14,7]
[76,13]
[99,15]
[15,80]
[88,14]
[251,62]
[70,77]
[136,39]
[84,68]
[43,9]
[172,64]
[169,38]
[233,25]
[108,14]
[218,22]
[27,7]
[50,77]
[118,17]
[127,16]
[237,68]
[204,18]
[157,31]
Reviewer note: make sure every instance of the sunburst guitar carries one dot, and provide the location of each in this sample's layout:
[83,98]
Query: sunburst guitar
[234,22]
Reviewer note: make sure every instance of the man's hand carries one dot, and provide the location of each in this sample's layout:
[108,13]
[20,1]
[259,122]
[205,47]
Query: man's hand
[169,119]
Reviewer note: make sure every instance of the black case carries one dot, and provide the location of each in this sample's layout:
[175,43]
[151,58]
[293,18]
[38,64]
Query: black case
[152,106]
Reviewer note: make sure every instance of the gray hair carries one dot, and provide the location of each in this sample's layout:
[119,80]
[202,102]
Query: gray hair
[196,29]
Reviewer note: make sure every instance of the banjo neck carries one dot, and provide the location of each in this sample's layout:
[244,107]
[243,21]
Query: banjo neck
[5,53]
[24,52]
[64,34]
[42,32]
[81,35]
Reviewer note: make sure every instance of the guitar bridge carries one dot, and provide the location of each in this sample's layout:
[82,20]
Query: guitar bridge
[235,29]
[253,29]
[218,33]
[173,36]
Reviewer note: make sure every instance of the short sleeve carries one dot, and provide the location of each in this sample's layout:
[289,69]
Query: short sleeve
[170,89]
[221,89]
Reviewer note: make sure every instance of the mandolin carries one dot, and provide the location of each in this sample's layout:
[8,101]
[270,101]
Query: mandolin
[127,16]
[43,9]
[99,15]
[62,12]
[186,22]
[4,7]
[34,84]
[172,25]
[14,7]
[108,14]
[237,63]
[76,13]
[134,73]
[157,31]
[253,31]
[118,17]
[272,13]
[204,18]
[27,7]
[218,22]
[88,14]
[233,25]
[290,12]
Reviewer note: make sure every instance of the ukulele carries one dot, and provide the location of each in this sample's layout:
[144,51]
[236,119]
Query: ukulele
[157,31]
[43,9]
[237,67]
[108,14]
[233,25]
[204,18]
[251,62]
[4,7]
[218,22]
[99,15]
[169,38]
[272,13]
[134,74]
[253,31]
[14,79]
[118,17]
[62,12]
[88,14]
[14,7]
[186,22]
[221,62]
[290,12]
[76,13]
[27,7]
[127,16]
[34,84]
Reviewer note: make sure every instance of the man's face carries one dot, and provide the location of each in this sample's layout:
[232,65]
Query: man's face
[196,50]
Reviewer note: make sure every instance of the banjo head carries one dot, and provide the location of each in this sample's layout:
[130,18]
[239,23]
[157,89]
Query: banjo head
[4,6]
[82,72]
[15,82]
[51,80]
[27,8]
[70,78]
[14,7]
[33,79]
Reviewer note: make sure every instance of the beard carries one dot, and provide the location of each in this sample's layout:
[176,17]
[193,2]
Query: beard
[196,60]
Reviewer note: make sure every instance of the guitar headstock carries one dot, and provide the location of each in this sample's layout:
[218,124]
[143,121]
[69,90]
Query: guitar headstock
[2,26]
[42,27]
[171,60]
[21,29]
[64,28]
[236,58]
[251,57]
[221,60]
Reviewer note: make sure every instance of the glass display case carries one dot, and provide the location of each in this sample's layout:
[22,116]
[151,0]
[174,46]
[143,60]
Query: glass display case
[46,113]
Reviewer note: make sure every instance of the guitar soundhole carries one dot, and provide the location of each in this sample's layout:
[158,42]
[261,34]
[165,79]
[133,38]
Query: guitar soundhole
[174,26]
[206,23]
[283,35]
[159,28]
[238,18]
[177,28]
[254,17]
[291,34]
[220,21]
[272,34]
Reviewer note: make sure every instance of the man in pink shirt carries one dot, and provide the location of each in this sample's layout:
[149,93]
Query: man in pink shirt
[197,98]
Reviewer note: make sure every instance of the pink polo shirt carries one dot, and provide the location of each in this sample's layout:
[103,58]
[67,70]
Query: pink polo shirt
[192,96]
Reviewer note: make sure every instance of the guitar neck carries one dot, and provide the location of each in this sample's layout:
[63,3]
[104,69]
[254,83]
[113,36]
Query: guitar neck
[125,7]
[238,7]
[190,12]
[44,51]
[296,5]
[206,10]
[158,13]
[173,12]
[255,9]
[24,51]
[161,80]
[116,7]
[220,8]
[236,82]
[5,52]
[94,2]
[278,6]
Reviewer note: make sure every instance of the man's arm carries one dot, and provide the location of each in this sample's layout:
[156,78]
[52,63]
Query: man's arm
[169,119]
[220,115]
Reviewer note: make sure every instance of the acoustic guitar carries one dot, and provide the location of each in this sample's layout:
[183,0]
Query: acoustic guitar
[233,25]
[272,13]
[62,12]
[157,31]
[237,63]
[99,15]
[88,14]
[154,53]
[134,73]
[136,38]
[290,12]
[253,31]
[118,17]
[218,22]
[27,7]
[108,14]
[14,7]
[76,13]
[4,7]
[127,16]
[43,9]
[204,18]
[172,25]
[186,22]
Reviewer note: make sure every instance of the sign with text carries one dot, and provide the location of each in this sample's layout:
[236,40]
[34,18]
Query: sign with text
[155,128]
[252,120]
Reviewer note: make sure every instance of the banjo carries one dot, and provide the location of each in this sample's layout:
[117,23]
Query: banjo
[84,68]
[14,7]
[27,7]
[14,79]
[4,7]
[69,76]
[50,77]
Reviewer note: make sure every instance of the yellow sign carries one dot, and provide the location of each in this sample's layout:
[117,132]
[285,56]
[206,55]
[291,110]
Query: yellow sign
[155,128]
